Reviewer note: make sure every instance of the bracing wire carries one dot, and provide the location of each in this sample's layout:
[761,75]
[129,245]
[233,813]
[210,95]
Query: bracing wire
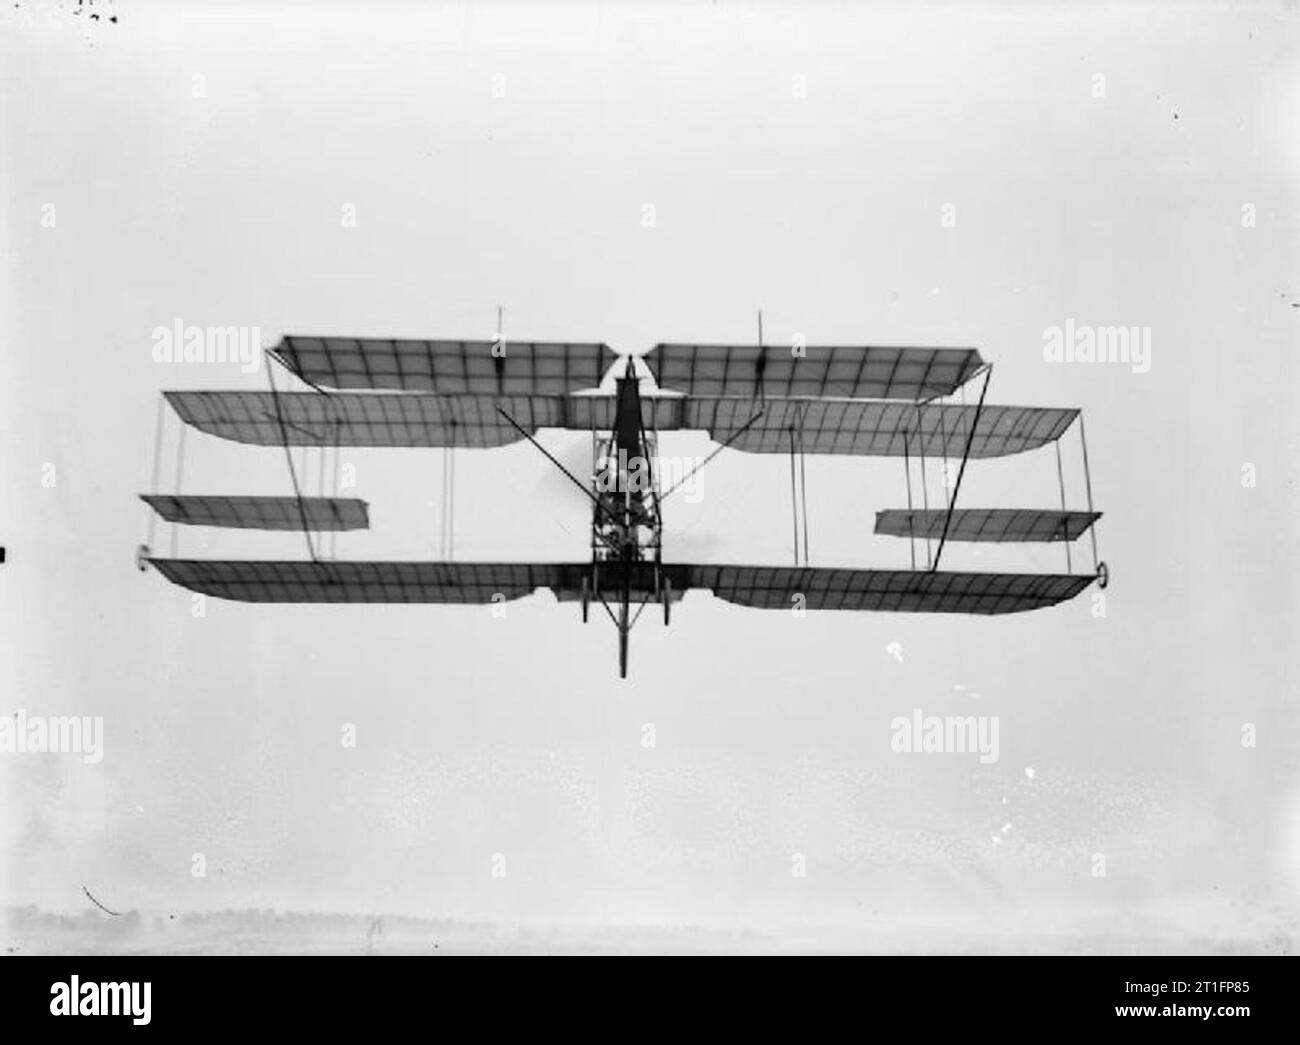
[288,456]
[803,487]
[925,486]
[1087,479]
[794,500]
[1065,522]
[907,473]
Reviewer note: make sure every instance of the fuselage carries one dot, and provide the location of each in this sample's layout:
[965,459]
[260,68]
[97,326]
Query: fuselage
[625,527]
[626,520]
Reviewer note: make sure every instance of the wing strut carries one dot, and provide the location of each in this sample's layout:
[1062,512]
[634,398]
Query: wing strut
[970,438]
[907,474]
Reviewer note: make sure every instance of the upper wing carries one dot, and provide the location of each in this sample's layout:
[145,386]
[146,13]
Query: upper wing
[449,367]
[845,371]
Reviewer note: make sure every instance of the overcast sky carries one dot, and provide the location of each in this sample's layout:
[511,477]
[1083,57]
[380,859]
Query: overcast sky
[799,160]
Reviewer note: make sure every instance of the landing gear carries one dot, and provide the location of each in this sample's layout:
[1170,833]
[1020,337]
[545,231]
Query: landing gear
[666,594]
[586,599]
[141,558]
[1103,575]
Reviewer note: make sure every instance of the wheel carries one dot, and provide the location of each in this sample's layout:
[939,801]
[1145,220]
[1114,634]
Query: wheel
[586,599]
[141,558]
[667,596]
[1103,575]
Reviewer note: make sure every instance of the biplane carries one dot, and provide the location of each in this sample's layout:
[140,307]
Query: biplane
[845,400]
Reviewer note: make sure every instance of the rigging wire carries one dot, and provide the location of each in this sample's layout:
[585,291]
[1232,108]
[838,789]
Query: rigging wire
[794,500]
[803,485]
[1087,479]
[730,439]
[970,439]
[596,502]
[943,439]
[925,486]
[907,472]
[1065,522]
[293,475]
[335,426]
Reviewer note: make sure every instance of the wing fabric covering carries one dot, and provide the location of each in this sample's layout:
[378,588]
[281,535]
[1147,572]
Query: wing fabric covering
[363,582]
[839,371]
[1000,525]
[894,591]
[471,420]
[474,367]
[366,419]
[764,587]
[414,420]
[261,513]
[875,429]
